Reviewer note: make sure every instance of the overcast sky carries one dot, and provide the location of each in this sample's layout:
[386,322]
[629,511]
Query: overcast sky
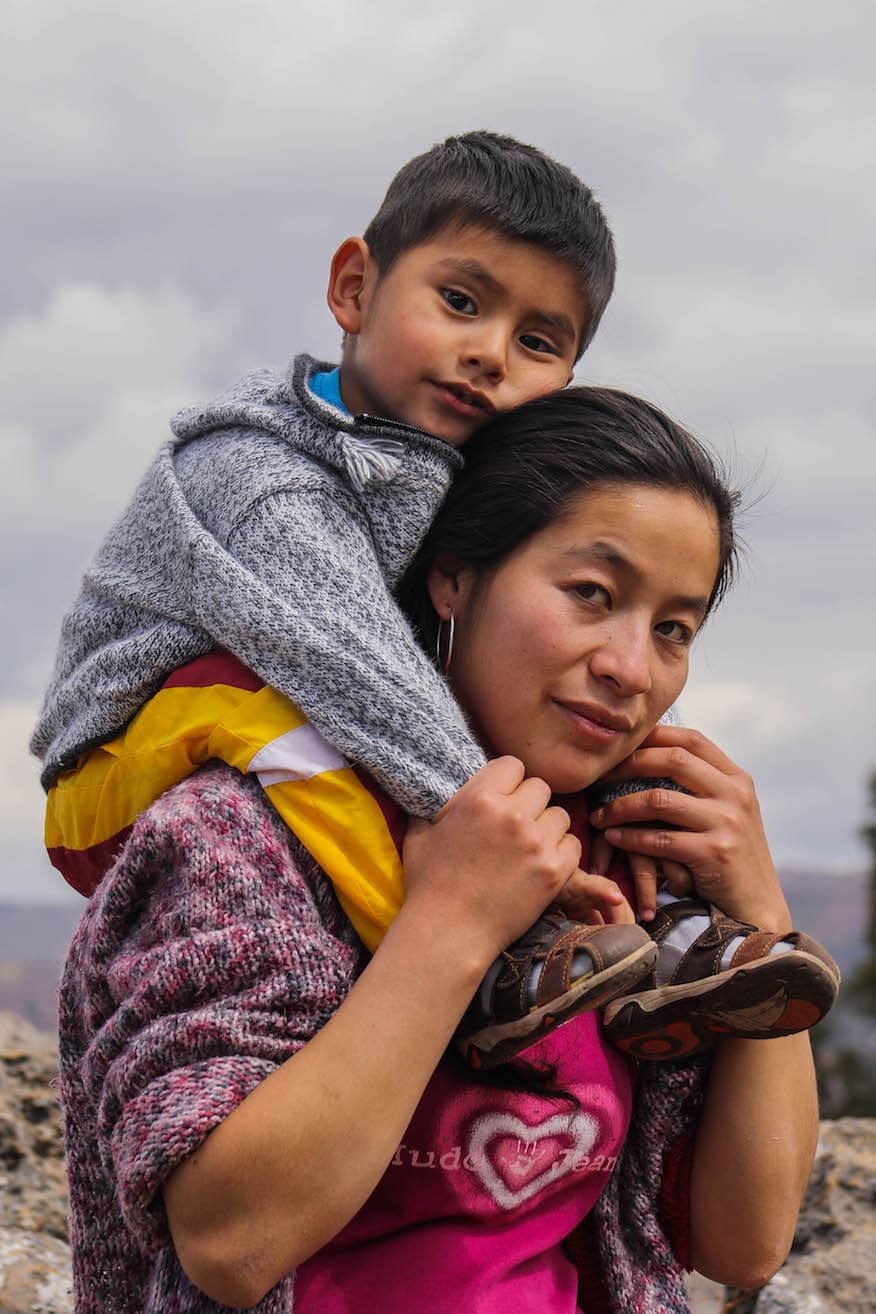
[177,173]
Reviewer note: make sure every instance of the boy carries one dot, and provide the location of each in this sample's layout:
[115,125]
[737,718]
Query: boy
[449,313]
[276,526]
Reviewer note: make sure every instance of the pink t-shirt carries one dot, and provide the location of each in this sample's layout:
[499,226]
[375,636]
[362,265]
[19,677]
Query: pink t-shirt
[486,1184]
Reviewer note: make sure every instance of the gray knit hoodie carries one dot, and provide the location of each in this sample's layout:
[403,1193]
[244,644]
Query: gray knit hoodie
[276,527]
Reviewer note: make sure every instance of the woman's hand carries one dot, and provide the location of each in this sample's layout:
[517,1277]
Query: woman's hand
[757,1133]
[718,832]
[492,859]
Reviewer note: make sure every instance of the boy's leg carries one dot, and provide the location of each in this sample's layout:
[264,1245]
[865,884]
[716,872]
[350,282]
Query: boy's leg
[718,977]
[555,971]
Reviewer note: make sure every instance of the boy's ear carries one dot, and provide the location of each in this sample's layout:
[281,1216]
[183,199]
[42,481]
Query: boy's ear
[352,276]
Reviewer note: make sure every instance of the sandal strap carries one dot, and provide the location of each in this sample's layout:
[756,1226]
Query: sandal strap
[756,945]
[554,942]
[556,973]
[703,958]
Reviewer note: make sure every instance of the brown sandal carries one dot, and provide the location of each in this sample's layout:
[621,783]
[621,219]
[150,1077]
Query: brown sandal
[758,996]
[555,971]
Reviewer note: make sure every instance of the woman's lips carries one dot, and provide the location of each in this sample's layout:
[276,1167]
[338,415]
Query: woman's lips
[596,722]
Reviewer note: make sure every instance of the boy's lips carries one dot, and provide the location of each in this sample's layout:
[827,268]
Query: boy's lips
[464,399]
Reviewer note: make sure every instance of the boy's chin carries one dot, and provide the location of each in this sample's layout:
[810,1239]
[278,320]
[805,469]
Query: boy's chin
[457,435]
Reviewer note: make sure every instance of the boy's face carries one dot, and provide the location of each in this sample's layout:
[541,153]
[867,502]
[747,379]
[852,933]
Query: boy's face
[464,325]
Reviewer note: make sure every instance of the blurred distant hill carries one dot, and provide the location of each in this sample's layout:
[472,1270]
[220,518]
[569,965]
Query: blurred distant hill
[31,932]
[33,944]
[34,937]
[833,908]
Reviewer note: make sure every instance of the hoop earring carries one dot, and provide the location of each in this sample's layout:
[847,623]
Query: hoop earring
[444,664]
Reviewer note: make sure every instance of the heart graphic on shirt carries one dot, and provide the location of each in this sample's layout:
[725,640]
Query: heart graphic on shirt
[515,1162]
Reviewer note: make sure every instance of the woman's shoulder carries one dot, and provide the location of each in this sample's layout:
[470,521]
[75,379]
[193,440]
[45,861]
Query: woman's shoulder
[217,800]
[213,852]
[215,815]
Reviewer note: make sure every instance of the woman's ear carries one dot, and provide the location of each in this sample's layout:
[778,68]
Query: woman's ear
[353,274]
[449,583]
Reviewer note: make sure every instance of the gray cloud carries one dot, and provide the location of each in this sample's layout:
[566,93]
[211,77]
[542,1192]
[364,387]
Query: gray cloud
[178,175]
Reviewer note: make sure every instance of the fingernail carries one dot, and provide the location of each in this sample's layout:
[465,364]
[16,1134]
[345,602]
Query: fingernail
[597,816]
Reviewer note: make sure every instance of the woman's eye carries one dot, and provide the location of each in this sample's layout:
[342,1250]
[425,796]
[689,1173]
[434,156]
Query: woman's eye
[461,302]
[676,631]
[594,593]
[534,343]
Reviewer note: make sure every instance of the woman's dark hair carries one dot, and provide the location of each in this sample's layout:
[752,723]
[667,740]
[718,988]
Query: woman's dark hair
[522,469]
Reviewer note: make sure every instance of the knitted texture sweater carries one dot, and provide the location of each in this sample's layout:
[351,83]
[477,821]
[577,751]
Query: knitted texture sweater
[212,951]
[276,527]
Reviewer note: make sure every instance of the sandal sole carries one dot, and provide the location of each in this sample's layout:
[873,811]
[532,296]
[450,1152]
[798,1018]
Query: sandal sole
[771,997]
[495,1044]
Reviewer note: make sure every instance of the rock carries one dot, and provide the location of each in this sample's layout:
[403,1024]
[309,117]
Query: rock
[705,1297]
[32,1182]
[35,1275]
[831,1267]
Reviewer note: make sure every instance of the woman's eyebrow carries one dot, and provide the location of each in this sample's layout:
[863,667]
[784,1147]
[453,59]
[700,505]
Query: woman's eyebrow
[601,552]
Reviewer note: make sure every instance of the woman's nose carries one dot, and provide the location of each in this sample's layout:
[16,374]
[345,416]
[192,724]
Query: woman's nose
[624,659]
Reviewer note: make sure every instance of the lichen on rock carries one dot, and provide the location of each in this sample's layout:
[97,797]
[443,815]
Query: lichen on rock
[35,1275]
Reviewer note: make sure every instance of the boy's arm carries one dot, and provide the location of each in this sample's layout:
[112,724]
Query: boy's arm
[300,597]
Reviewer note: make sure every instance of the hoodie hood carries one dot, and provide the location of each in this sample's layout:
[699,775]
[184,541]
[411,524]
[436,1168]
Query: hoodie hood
[364,448]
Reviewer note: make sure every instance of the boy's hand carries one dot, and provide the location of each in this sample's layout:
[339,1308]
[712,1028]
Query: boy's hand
[648,874]
[492,860]
[717,828]
[591,897]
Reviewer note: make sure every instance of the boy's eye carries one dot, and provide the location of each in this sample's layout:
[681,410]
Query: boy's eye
[461,302]
[533,342]
[676,631]
[590,592]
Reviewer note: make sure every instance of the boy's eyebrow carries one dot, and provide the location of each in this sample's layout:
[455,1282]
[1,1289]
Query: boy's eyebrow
[475,270]
[696,602]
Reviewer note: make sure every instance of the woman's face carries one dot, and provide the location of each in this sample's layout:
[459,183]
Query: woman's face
[571,651]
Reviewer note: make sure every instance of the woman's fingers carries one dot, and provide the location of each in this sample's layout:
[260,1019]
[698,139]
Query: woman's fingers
[531,793]
[691,744]
[701,781]
[649,807]
[651,842]
[493,858]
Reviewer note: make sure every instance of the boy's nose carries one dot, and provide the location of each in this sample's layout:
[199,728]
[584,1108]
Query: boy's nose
[487,351]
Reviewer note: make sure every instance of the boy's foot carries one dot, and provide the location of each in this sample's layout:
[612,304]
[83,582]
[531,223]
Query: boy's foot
[555,971]
[732,980]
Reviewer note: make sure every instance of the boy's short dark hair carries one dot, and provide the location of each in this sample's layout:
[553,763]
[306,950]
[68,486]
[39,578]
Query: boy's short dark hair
[497,182]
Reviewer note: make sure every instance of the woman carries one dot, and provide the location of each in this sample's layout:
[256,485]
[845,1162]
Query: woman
[273,1110]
